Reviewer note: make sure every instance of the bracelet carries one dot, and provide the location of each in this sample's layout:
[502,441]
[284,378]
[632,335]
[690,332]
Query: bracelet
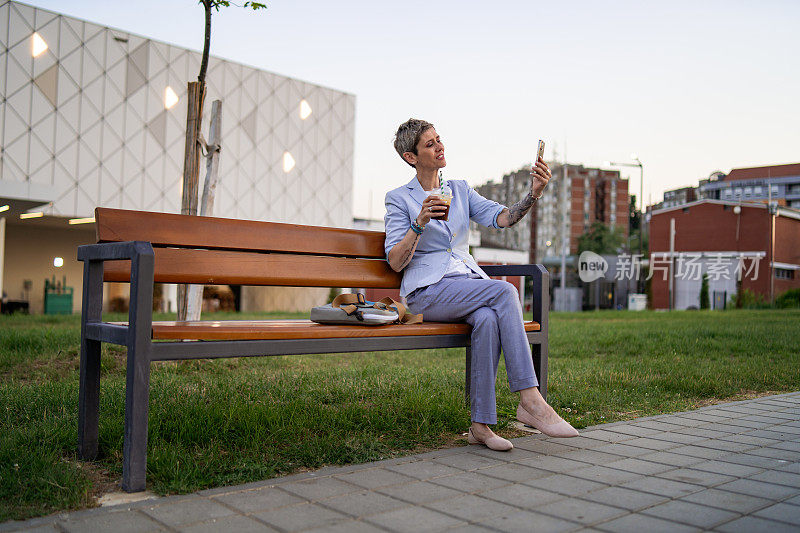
[416,228]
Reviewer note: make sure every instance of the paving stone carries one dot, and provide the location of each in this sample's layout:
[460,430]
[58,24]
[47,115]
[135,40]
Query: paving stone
[776,453]
[412,519]
[299,517]
[758,488]
[603,474]
[679,438]
[471,508]
[690,513]
[781,478]
[794,468]
[782,512]
[542,446]
[584,512]
[753,460]
[423,469]
[567,485]
[700,452]
[636,431]
[554,464]
[725,445]
[769,434]
[469,461]
[749,439]
[669,458]
[794,501]
[113,522]
[703,432]
[187,511]
[639,466]
[663,487]
[363,503]
[420,492]
[651,443]
[730,501]
[469,482]
[319,488]
[790,445]
[238,523]
[514,472]
[659,425]
[638,523]
[631,500]
[471,528]
[591,456]
[687,422]
[583,442]
[607,435]
[754,524]
[623,450]
[523,496]
[698,477]
[728,469]
[374,478]
[353,526]
[527,521]
[251,501]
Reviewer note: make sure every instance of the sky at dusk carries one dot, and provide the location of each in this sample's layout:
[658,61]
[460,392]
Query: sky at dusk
[690,87]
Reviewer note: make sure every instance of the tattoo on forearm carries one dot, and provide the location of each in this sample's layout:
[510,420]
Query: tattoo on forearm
[519,209]
[407,256]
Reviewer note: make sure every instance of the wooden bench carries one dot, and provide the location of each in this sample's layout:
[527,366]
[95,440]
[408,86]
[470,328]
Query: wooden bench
[144,248]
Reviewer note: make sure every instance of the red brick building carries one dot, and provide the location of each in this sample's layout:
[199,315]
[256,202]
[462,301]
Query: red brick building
[710,237]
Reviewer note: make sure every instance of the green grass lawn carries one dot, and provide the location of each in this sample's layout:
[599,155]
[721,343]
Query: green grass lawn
[232,421]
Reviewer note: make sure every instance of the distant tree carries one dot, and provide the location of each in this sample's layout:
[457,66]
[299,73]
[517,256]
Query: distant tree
[704,300]
[601,239]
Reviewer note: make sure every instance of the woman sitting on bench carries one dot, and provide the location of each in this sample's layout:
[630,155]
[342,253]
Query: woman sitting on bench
[426,238]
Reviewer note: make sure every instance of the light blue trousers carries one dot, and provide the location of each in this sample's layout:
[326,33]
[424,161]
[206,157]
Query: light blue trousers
[493,310]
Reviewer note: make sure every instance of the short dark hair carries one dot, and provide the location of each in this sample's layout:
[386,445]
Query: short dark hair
[408,134]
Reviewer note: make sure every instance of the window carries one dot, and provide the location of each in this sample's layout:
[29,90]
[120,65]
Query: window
[727,193]
[757,190]
[737,192]
[784,273]
[748,192]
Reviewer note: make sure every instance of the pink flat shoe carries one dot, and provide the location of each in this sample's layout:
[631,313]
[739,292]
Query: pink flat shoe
[498,444]
[559,429]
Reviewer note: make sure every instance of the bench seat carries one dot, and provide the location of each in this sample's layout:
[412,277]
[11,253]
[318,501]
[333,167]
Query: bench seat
[298,329]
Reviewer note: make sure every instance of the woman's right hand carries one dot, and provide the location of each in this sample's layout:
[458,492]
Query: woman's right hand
[432,207]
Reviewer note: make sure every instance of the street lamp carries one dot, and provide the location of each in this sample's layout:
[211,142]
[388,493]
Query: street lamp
[641,191]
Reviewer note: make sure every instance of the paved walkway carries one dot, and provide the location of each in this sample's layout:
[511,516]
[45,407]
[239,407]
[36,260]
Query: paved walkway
[728,467]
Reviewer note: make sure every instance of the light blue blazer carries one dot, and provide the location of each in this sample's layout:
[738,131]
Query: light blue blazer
[440,239]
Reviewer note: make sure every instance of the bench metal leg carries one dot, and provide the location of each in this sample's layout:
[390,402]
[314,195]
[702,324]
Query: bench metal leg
[468,375]
[89,384]
[539,354]
[89,400]
[137,384]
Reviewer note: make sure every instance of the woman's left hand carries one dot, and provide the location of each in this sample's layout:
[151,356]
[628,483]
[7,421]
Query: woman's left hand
[541,175]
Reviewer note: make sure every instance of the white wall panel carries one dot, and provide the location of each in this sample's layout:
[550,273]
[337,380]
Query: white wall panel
[121,163]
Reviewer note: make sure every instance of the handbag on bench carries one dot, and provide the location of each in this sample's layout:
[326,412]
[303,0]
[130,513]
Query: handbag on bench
[354,309]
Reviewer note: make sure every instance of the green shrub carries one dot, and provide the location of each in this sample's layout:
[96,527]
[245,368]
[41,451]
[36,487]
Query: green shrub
[750,300]
[790,298]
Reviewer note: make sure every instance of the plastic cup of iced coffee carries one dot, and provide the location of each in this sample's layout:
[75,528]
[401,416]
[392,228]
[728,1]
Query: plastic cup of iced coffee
[447,199]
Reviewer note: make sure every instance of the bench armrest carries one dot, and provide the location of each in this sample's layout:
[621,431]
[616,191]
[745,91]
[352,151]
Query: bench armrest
[140,303]
[541,286]
[109,251]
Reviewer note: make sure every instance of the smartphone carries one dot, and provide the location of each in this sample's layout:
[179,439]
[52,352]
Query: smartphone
[540,151]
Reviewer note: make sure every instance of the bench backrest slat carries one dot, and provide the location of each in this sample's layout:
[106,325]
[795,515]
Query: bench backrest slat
[166,229]
[220,267]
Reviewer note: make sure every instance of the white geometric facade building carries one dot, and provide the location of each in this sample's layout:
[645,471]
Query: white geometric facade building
[94,116]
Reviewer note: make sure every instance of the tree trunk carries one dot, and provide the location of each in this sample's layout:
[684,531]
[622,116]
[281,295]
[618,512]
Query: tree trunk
[195,294]
[191,164]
